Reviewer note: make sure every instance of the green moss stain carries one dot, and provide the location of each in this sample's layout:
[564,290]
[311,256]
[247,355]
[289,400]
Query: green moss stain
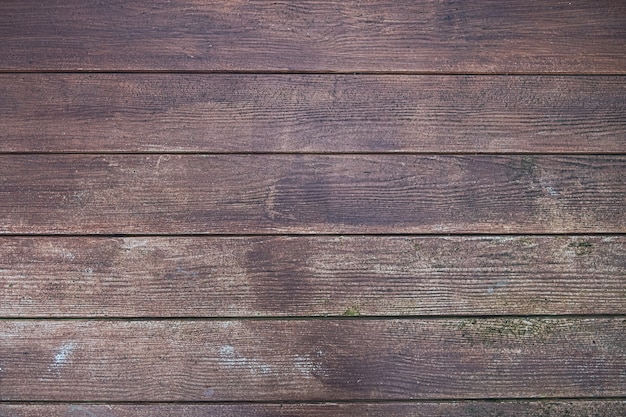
[528,164]
[525,241]
[352,311]
[581,247]
[491,331]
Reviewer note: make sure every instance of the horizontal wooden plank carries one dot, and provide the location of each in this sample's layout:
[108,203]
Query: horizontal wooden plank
[455,36]
[579,408]
[277,360]
[244,194]
[311,113]
[311,276]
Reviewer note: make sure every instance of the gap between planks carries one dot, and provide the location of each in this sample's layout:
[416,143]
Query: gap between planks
[615,316]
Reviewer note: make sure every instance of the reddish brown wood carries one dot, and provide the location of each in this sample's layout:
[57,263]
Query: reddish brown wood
[243,194]
[311,276]
[415,409]
[304,113]
[305,360]
[487,36]
[224,77]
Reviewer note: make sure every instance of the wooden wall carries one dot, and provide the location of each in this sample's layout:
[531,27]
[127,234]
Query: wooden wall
[357,208]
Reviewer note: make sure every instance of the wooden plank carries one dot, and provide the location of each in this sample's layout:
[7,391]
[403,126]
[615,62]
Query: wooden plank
[577,408]
[244,194]
[311,113]
[311,276]
[487,36]
[305,360]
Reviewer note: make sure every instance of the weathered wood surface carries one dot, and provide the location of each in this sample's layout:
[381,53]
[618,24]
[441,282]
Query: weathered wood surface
[311,276]
[305,360]
[487,36]
[578,408]
[306,159]
[244,194]
[311,113]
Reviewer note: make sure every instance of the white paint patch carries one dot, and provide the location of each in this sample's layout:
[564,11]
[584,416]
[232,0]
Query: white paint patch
[67,254]
[552,191]
[309,367]
[304,365]
[230,359]
[227,350]
[130,243]
[159,161]
[499,284]
[63,355]
[227,324]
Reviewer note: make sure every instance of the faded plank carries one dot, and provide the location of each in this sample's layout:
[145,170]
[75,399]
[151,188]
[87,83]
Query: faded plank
[486,36]
[305,360]
[247,194]
[576,408]
[311,276]
[311,113]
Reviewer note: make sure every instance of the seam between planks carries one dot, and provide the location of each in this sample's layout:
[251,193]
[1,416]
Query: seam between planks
[316,153]
[321,318]
[310,235]
[321,72]
[320,402]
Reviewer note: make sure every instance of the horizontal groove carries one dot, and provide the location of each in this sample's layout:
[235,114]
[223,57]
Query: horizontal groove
[325,318]
[313,153]
[315,72]
[322,402]
[311,235]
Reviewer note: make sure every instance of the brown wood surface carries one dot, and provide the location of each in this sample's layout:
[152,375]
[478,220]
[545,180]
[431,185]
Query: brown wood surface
[311,276]
[243,194]
[188,189]
[277,360]
[311,113]
[570,408]
[487,36]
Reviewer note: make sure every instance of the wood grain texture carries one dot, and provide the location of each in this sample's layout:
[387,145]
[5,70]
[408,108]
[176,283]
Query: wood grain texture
[306,360]
[311,276]
[311,113]
[432,36]
[403,409]
[244,194]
